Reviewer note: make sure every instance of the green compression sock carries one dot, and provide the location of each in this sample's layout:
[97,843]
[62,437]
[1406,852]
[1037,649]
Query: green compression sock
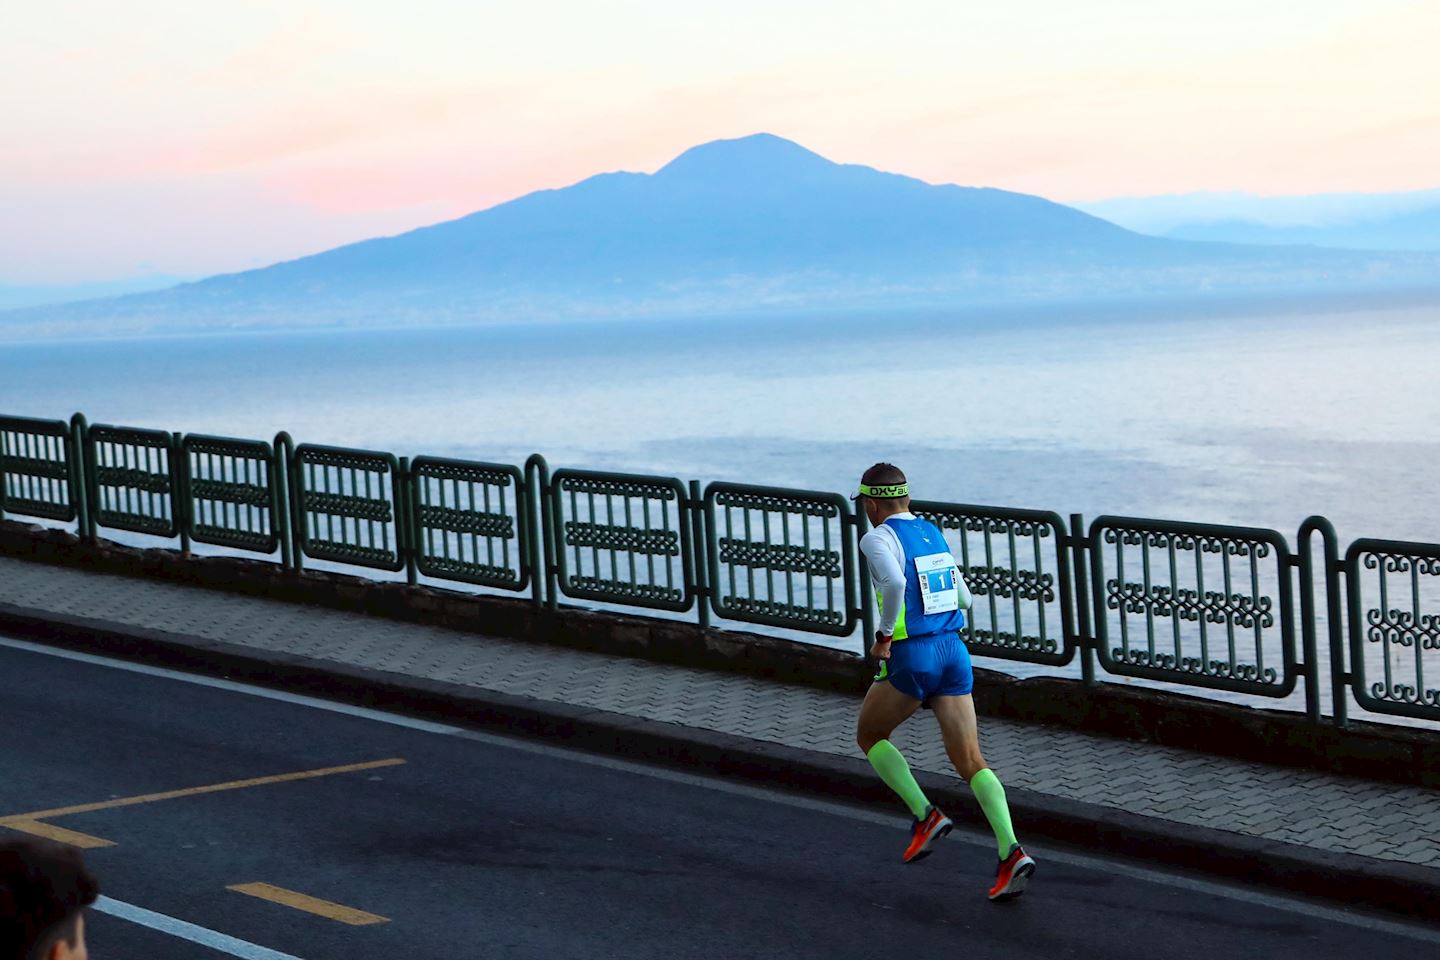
[890,764]
[991,794]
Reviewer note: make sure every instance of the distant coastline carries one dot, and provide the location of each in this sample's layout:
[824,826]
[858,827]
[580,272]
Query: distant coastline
[964,312]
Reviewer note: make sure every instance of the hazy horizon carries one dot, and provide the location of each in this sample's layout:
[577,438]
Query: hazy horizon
[1122,410]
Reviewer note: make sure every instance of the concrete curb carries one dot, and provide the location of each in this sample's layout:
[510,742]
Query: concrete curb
[1387,886]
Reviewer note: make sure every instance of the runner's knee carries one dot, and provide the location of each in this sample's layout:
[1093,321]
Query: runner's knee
[867,736]
[965,755]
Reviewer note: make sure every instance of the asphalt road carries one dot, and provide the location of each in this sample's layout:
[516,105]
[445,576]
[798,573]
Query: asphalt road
[415,839]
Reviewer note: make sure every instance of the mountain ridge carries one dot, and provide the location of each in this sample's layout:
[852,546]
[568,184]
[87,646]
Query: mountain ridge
[731,225]
[1408,220]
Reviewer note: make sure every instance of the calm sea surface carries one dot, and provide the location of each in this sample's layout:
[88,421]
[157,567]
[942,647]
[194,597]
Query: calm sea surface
[1250,418]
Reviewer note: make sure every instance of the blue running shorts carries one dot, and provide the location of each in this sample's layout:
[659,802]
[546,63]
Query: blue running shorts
[925,667]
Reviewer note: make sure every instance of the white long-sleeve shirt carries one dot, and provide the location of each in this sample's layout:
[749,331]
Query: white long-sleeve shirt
[886,559]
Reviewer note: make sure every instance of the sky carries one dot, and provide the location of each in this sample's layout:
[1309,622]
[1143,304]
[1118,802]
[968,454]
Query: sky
[192,138]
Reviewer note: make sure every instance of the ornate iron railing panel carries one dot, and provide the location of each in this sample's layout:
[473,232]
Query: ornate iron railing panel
[133,477]
[470,522]
[1018,571]
[38,474]
[781,557]
[347,506]
[622,538]
[1221,594]
[1403,629]
[233,495]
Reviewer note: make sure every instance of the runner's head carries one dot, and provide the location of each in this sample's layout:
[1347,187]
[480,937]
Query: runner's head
[44,890]
[883,492]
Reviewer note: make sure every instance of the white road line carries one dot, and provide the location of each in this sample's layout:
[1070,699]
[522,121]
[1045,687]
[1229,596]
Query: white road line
[975,836]
[230,685]
[188,931]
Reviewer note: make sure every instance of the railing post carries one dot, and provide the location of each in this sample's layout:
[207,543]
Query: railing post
[540,492]
[529,521]
[860,524]
[700,547]
[180,490]
[288,484]
[280,497]
[406,521]
[1339,676]
[1310,669]
[1079,562]
[80,478]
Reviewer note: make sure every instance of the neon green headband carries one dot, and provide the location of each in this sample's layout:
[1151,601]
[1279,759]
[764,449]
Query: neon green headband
[887,492]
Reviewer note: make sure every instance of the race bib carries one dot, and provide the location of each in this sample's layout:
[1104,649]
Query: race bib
[939,582]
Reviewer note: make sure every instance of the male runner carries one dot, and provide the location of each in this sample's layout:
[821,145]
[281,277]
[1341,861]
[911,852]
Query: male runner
[923,599]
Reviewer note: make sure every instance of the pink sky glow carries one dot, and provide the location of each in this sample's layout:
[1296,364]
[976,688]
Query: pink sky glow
[192,139]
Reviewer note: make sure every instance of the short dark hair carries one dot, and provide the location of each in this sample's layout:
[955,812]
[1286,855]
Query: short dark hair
[43,888]
[883,475]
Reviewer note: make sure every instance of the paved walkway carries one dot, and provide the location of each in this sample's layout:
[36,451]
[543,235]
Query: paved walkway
[1384,821]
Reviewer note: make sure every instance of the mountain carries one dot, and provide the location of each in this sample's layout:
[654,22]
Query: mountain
[1359,221]
[734,225]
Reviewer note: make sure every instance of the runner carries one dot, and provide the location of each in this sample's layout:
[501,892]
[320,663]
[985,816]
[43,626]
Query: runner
[923,599]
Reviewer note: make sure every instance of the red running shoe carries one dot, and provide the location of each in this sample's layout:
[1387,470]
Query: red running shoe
[926,831]
[1012,875]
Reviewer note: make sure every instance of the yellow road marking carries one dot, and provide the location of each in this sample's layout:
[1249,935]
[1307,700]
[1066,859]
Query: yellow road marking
[27,822]
[324,908]
[59,834]
[212,788]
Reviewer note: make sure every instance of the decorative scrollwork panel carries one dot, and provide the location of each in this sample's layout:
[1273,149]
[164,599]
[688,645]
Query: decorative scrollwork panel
[1395,626]
[780,557]
[622,538]
[232,493]
[1015,564]
[132,480]
[347,504]
[470,522]
[1209,606]
[35,468]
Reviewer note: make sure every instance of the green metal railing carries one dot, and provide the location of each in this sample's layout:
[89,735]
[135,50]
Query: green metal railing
[39,464]
[348,506]
[782,557]
[132,479]
[1016,565]
[1404,622]
[622,538]
[234,493]
[470,522]
[1202,605]
[1187,602]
